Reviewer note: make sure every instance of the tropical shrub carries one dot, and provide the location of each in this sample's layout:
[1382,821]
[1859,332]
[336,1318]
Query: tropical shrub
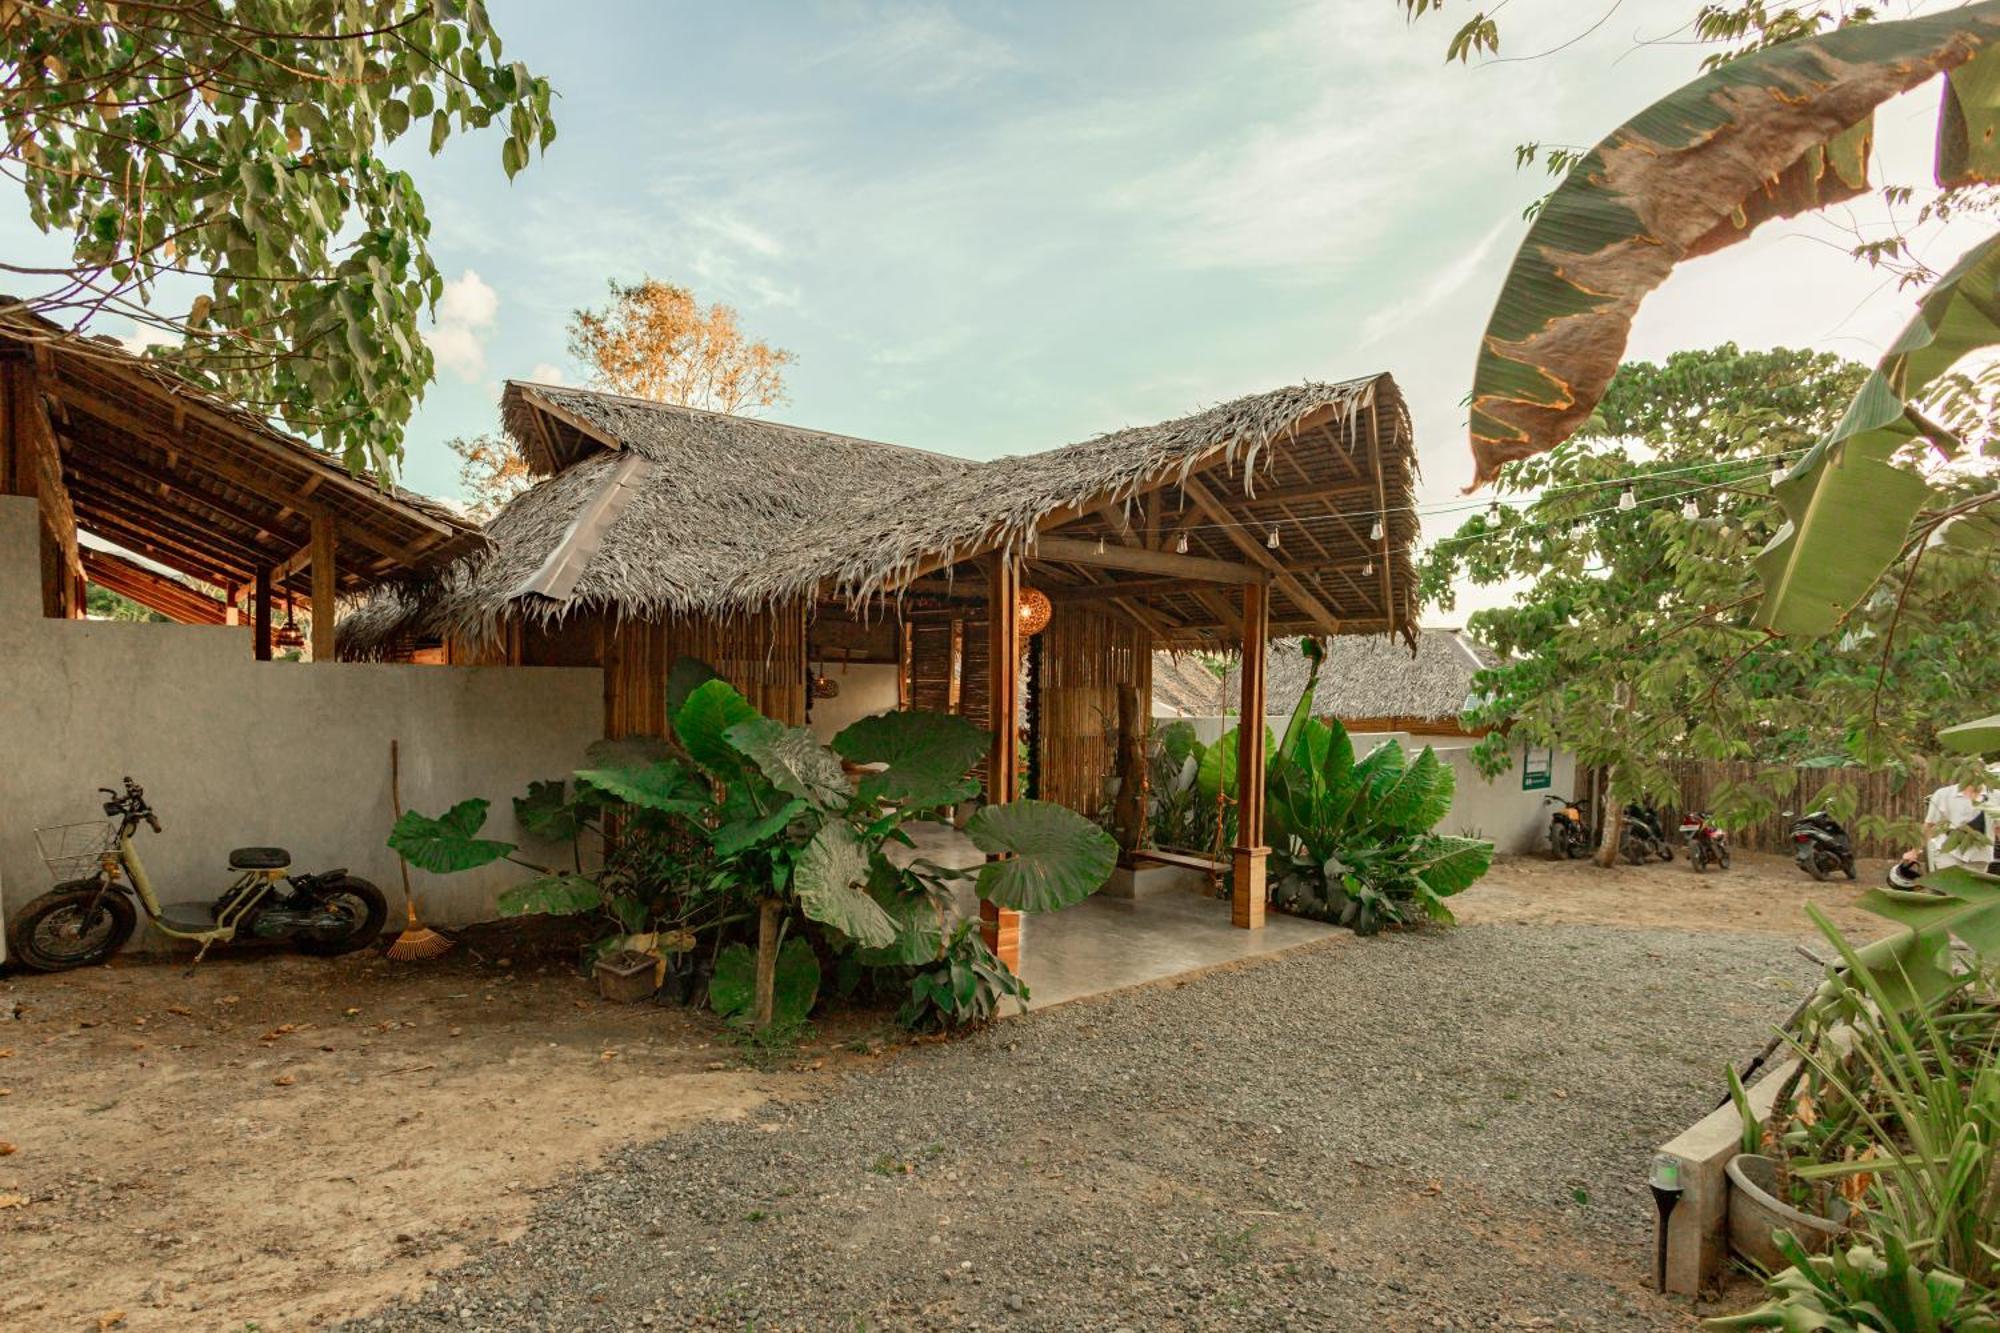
[963,986]
[1352,841]
[1891,1126]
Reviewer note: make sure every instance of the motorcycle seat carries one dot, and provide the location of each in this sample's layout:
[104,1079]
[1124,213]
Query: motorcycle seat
[259,858]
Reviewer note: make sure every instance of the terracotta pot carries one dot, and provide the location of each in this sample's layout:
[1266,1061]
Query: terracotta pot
[1755,1212]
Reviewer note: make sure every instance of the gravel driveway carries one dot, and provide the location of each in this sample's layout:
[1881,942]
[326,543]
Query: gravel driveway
[1440,1130]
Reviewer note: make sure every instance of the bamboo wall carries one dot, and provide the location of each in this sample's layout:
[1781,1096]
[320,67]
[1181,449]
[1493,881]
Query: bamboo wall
[1883,794]
[933,659]
[1086,656]
[762,654]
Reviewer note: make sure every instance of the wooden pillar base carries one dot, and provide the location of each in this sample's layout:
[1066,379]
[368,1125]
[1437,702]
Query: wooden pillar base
[1001,929]
[1246,900]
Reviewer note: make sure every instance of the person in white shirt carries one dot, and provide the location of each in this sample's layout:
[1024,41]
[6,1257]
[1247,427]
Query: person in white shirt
[1952,810]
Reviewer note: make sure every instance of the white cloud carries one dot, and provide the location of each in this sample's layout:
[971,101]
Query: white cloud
[465,317]
[1440,288]
[923,51]
[143,336]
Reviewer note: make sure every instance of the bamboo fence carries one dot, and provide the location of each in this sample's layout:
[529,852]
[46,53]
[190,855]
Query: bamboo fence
[1883,794]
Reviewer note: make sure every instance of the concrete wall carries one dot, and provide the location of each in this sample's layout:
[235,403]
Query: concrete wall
[232,751]
[1496,809]
[866,688]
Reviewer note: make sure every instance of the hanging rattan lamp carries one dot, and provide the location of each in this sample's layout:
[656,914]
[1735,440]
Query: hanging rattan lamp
[1034,612]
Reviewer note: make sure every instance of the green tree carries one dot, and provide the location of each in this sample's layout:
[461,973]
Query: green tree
[1631,641]
[227,154]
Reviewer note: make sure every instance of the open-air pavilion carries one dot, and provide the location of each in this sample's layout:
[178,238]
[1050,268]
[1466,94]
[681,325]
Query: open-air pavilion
[1027,593]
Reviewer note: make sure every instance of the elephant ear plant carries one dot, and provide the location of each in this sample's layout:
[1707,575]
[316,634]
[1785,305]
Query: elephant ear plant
[792,833]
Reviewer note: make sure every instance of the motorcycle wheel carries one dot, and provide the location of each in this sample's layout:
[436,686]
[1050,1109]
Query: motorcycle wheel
[1847,866]
[363,905]
[51,935]
[1666,851]
[1813,866]
[1722,856]
[1698,858]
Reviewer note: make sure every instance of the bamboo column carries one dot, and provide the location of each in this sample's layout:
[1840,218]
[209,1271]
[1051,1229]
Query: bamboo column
[260,634]
[1247,859]
[1000,927]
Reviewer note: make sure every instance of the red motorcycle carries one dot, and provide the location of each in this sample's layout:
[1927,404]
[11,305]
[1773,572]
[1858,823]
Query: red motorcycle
[1707,844]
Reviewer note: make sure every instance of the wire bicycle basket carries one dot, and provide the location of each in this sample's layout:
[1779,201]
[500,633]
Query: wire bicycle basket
[74,851]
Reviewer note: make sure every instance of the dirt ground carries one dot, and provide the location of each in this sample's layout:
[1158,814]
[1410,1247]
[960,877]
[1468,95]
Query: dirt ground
[279,1141]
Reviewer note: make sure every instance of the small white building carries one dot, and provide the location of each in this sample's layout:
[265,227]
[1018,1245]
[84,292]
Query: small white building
[1379,689]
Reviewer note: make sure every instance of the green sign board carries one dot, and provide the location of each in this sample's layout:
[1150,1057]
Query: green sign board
[1537,769]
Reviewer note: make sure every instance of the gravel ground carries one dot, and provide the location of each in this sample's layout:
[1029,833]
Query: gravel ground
[1439,1130]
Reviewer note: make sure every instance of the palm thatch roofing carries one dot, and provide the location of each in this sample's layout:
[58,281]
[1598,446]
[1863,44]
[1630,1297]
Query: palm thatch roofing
[653,510]
[1370,677]
[184,478]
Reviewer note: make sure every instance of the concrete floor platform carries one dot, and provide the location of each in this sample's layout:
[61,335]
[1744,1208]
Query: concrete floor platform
[1106,944]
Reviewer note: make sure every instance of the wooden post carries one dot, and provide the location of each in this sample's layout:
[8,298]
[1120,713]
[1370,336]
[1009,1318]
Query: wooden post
[1002,928]
[1247,860]
[1129,812]
[260,615]
[232,611]
[325,587]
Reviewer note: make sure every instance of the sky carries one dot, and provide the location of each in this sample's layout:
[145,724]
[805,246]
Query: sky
[995,228]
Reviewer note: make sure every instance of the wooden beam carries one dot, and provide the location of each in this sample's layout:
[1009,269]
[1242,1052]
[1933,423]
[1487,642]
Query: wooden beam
[170,597]
[1382,508]
[1072,551]
[1249,855]
[325,588]
[1098,592]
[260,633]
[1286,582]
[1001,927]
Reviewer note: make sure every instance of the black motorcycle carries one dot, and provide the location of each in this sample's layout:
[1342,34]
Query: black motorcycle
[1821,846]
[1569,837]
[1644,837]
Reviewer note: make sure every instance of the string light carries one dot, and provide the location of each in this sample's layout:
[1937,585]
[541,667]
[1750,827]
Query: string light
[1368,569]
[1627,501]
[1690,510]
[1375,533]
[1272,540]
[1579,530]
[1100,544]
[1180,544]
[1777,473]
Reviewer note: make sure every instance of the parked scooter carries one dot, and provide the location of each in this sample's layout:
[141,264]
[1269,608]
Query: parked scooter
[1643,836]
[1569,836]
[1707,844]
[85,920]
[1821,846]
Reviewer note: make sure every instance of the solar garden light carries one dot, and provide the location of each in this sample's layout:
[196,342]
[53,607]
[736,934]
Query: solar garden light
[1665,1180]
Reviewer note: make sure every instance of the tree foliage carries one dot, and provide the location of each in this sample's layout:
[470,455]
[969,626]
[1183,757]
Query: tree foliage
[655,340]
[1631,638]
[233,148]
[491,472]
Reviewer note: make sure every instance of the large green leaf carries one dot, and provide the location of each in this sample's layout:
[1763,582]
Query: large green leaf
[739,834]
[1847,508]
[1054,856]
[1451,865]
[547,812]
[732,989]
[551,895]
[666,787]
[928,757]
[919,924]
[1766,135]
[792,760]
[702,723]
[1962,902]
[1977,737]
[1416,797]
[447,844]
[828,880]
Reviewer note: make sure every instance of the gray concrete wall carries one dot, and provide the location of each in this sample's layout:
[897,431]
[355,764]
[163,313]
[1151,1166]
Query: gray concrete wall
[232,751]
[1496,809]
[866,688]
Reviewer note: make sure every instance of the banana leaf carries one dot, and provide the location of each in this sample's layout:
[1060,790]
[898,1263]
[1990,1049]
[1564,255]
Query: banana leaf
[1847,508]
[1962,902]
[1768,135]
[1972,737]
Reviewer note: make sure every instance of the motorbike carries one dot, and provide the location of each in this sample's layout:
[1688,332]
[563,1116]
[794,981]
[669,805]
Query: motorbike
[1707,844]
[1821,846]
[86,919]
[1569,836]
[1643,836]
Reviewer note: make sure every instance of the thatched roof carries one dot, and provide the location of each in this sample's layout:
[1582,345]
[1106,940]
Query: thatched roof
[1364,677]
[727,513]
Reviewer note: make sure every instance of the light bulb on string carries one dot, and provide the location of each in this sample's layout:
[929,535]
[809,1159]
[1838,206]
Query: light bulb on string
[1690,510]
[1100,545]
[1181,544]
[1272,540]
[1777,473]
[1626,500]
[1375,533]
[1493,514]
[1579,530]
[1368,569]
